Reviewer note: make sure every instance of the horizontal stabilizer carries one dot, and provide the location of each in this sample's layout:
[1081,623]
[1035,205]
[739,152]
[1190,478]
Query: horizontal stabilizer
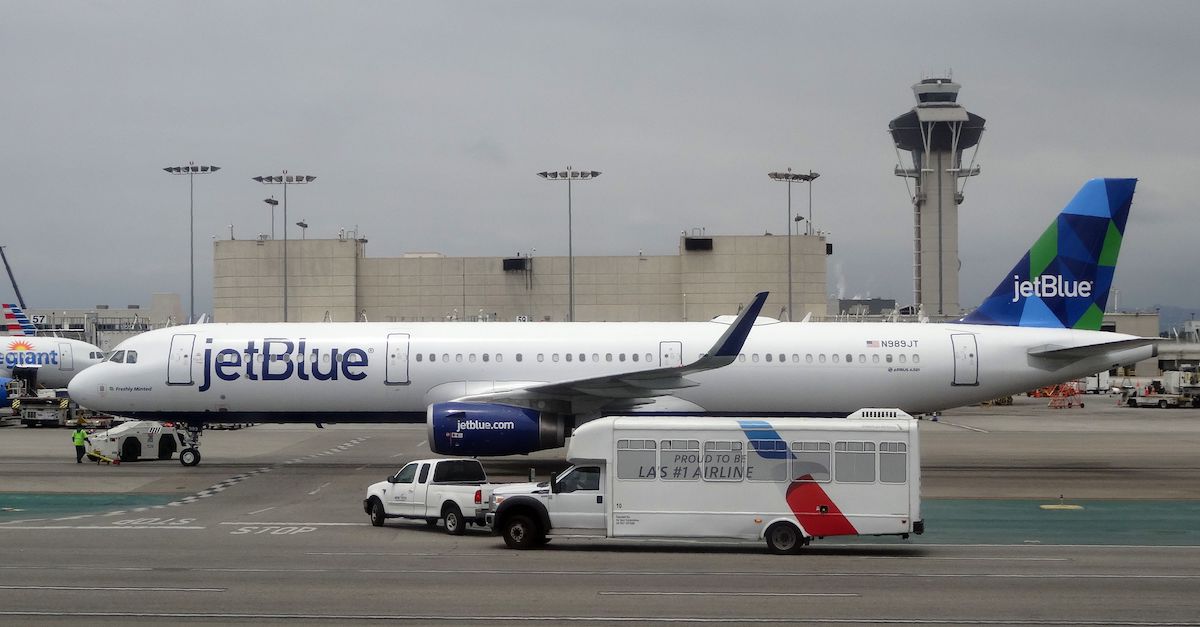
[1073,353]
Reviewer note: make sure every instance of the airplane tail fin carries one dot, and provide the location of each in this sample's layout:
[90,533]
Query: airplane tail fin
[16,322]
[1064,279]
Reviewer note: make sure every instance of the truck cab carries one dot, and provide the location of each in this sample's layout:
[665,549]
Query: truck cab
[452,490]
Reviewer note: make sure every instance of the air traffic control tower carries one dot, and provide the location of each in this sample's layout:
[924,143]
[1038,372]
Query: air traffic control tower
[935,133]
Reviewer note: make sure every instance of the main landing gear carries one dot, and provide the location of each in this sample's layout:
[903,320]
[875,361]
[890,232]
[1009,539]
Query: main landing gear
[190,456]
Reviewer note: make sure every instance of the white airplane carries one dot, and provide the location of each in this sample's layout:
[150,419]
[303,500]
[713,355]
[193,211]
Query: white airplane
[508,388]
[55,359]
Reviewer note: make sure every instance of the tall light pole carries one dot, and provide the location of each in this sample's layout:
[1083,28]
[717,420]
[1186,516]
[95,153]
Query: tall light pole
[569,175]
[790,177]
[285,179]
[271,201]
[191,170]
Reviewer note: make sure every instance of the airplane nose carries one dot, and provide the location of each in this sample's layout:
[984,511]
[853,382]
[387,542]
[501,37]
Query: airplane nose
[83,388]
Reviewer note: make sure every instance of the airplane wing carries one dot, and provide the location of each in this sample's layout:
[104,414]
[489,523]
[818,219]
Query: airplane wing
[640,384]
[1073,353]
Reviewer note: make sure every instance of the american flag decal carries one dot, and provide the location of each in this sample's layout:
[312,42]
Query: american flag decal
[872,343]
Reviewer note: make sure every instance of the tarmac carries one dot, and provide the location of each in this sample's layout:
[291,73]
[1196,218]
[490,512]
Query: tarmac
[270,528]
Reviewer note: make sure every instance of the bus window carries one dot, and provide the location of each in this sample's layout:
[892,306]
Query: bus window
[810,461]
[767,461]
[635,459]
[854,462]
[893,462]
[724,461]
[680,460]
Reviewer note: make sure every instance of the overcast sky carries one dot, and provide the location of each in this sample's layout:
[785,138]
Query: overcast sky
[425,124]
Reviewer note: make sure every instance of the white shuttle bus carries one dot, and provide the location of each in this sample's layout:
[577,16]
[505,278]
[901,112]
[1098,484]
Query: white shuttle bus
[782,480]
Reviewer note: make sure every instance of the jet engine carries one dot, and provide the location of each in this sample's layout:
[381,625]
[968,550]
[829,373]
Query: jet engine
[488,429]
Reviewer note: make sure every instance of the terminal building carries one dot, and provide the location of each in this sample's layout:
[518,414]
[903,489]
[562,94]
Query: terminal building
[334,279]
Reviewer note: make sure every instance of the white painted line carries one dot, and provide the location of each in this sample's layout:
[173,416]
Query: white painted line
[75,517]
[422,443]
[382,554]
[113,589]
[22,522]
[965,559]
[319,488]
[99,527]
[975,429]
[730,594]
[398,455]
[260,523]
[259,511]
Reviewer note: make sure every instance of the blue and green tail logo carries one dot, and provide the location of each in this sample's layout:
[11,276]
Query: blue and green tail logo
[1064,280]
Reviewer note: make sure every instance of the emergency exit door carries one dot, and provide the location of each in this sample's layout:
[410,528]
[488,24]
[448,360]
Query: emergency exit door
[397,359]
[670,354]
[966,359]
[179,365]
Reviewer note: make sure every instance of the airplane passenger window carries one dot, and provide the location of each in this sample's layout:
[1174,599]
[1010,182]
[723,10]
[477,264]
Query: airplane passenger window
[595,356]
[458,357]
[742,357]
[554,358]
[916,359]
[118,357]
[622,357]
[769,357]
[808,358]
[582,356]
[635,356]
[902,358]
[520,357]
[836,358]
[418,356]
[432,357]
[607,356]
[754,358]
[862,359]
[795,358]
[485,357]
[782,358]
[888,358]
[569,356]
[849,358]
[649,357]
[471,358]
[541,358]
[499,356]
[131,357]
[874,359]
[822,358]
[446,357]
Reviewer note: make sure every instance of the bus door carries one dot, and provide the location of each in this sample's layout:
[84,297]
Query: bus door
[966,359]
[65,360]
[670,354]
[397,359]
[179,364]
[579,503]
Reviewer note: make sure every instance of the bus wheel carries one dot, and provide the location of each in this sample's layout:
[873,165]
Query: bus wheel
[520,532]
[784,539]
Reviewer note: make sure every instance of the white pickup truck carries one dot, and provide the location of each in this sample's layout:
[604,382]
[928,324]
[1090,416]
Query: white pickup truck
[454,490]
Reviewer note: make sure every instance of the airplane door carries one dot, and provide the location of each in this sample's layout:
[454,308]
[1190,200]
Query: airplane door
[179,365]
[966,359]
[670,354]
[65,360]
[397,359]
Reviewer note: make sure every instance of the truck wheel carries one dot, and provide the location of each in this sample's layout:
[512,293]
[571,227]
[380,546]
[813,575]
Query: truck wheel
[189,456]
[455,525]
[784,539]
[130,450]
[377,514]
[166,447]
[1162,404]
[520,532]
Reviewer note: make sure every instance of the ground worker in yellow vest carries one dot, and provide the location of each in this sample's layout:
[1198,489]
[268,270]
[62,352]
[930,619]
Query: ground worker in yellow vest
[79,437]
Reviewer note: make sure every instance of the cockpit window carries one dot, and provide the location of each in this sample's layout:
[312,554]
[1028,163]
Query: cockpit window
[118,357]
[131,357]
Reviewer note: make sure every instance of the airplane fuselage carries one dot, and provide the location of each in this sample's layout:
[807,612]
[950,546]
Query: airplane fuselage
[381,372]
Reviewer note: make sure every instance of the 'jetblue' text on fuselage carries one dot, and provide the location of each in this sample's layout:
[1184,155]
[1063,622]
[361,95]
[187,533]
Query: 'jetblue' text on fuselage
[281,360]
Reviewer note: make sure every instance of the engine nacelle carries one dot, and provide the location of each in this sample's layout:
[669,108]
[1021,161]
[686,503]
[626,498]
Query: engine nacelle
[487,429]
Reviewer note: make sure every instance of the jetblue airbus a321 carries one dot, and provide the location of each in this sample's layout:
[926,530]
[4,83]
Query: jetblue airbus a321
[508,388]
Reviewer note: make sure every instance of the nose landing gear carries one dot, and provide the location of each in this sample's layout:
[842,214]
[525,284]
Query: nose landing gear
[190,456]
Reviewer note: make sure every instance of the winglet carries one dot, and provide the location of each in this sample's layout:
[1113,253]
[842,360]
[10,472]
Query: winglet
[734,337]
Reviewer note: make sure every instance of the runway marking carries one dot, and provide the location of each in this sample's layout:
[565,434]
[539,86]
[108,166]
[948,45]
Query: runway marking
[319,488]
[102,527]
[399,455]
[24,521]
[443,618]
[114,588]
[296,524]
[382,554]
[421,443]
[968,428]
[259,511]
[966,559]
[729,594]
